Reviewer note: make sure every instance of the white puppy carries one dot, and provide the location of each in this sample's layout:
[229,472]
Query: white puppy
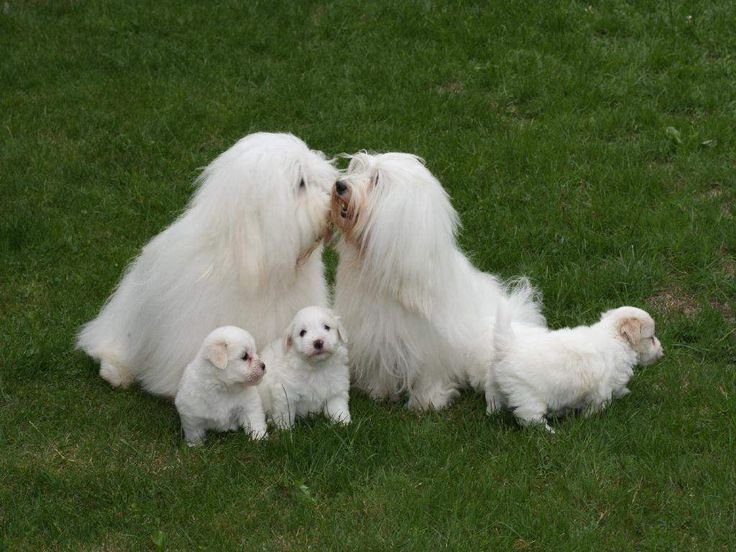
[538,371]
[418,313]
[247,251]
[218,388]
[307,370]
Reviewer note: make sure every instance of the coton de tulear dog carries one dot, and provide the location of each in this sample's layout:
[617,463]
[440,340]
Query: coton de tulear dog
[537,371]
[418,313]
[307,370]
[218,388]
[246,252]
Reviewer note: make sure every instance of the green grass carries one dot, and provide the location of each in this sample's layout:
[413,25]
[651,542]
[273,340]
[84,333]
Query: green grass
[590,147]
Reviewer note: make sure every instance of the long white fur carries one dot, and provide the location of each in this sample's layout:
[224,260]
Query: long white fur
[218,388]
[538,371]
[243,253]
[303,380]
[418,313]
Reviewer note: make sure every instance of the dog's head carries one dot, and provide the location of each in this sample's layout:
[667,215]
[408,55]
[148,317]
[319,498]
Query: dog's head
[636,328]
[265,203]
[314,335]
[232,353]
[397,215]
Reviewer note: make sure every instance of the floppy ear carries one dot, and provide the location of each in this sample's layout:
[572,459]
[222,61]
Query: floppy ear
[630,328]
[217,353]
[341,330]
[288,341]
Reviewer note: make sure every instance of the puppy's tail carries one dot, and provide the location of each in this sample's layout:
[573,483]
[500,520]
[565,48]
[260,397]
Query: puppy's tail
[525,303]
[503,333]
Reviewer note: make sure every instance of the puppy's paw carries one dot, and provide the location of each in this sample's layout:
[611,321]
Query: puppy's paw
[195,443]
[258,434]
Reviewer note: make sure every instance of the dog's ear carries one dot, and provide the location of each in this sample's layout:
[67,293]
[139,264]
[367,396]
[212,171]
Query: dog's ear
[217,353]
[288,341]
[341,330]
[630,328]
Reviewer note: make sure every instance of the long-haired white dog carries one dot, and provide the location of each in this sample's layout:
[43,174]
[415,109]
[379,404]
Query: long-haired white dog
[246,252]
[307,370]
[537,371]
[418,313]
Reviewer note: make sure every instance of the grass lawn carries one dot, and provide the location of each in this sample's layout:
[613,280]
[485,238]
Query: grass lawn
[588,146]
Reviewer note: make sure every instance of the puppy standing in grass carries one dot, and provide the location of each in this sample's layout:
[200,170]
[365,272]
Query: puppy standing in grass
[538,371]
[307,370]
[218,388]
[418,313]
[247,251]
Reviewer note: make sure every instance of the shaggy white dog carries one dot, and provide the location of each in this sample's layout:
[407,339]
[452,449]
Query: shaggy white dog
[247,251]
[418,313]
[217,390]
[307,370]
[538,371]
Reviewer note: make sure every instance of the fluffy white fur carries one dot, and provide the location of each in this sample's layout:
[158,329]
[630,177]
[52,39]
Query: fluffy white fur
[218,388]
[539,371]
[246,252]
[418,313]
[307,370]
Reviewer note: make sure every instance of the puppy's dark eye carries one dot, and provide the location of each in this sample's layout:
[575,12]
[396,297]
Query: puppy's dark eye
[302,333]
[246,356]
[327,327]
[302,184]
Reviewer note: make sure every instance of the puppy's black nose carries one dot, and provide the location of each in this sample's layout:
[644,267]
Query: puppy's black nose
[340,187]
[263,366]
[318,343]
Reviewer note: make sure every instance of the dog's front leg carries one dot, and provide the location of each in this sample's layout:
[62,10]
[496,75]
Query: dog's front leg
[194,431]
[253,418]
[337,410]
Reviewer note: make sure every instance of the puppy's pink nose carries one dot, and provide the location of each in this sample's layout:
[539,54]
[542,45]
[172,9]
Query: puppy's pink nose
[318,343]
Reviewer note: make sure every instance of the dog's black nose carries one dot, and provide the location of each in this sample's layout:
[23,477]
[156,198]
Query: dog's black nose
[340,187]
[318,344]
[263,366]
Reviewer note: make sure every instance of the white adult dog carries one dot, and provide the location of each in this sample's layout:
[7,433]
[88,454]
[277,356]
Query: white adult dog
[538,371]
[218,388]
[307,370]
[246,252]
[418,313]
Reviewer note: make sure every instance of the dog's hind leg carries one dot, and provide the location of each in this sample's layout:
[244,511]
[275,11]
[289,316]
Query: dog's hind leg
[115,374]
[434,395]
[533,415]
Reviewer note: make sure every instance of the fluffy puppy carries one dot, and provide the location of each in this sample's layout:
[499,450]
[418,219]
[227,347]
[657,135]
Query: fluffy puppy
[307,370]
[217,390]
[417,311]
[247,251]
[538,371]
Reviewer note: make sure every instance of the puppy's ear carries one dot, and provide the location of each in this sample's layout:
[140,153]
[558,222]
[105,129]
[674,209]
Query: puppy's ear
[217,353]
[630,328]
[341,331]
[288,341]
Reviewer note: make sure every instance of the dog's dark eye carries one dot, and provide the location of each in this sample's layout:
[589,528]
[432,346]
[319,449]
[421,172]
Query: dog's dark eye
[302,333]
[302,185]
[246,356]
[327,327]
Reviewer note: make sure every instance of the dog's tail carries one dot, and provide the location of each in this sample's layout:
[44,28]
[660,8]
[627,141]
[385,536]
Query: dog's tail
[525,303]
[503,333]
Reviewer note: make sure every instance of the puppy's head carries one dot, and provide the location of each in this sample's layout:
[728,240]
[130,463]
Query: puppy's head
[231,351]
[397,215]
[314,335]
[636,328]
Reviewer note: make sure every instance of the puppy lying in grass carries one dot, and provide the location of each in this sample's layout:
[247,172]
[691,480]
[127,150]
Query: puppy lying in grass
[538,371]
[307,370]
[218,388]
